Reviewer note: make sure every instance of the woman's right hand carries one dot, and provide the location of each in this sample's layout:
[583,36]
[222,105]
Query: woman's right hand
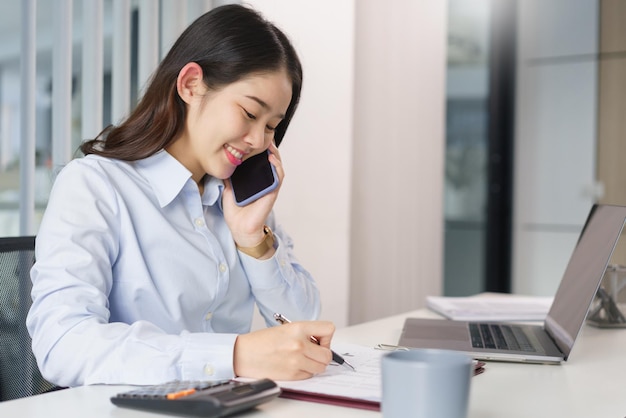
[284,352]
[246,222]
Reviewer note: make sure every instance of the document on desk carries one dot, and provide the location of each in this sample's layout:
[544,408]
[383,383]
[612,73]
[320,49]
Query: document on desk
[359,388]
[491,307]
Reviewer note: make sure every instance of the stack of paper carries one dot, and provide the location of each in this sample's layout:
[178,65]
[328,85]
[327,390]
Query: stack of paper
[491,307]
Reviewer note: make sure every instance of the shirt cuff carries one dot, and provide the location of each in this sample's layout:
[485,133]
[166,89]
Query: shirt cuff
[207,356]
[269,273]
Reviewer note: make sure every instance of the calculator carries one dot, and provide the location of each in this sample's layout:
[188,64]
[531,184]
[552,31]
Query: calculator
[199,399]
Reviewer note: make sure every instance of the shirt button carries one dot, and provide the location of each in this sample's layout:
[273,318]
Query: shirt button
[222,267]
[208,370]
[199,222]
[208,316]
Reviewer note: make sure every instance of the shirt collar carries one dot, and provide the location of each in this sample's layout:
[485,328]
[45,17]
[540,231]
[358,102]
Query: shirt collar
[167,177]
[213,188]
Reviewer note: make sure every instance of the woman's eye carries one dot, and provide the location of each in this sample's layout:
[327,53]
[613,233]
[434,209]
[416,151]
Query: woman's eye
[270,128]
[250,115]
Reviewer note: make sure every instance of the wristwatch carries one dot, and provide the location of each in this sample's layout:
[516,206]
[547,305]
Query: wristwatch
[261,248]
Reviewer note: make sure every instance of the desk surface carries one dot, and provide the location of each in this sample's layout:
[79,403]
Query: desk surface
[588,385]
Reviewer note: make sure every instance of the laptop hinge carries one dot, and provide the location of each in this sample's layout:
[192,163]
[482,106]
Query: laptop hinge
[561,338]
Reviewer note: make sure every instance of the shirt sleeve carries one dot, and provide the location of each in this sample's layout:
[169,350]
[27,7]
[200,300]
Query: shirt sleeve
[72,338]
[280,283]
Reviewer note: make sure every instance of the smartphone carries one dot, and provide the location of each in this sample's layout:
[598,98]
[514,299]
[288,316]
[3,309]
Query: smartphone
[254,178]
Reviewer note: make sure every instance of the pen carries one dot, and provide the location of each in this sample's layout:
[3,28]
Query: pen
[336,357]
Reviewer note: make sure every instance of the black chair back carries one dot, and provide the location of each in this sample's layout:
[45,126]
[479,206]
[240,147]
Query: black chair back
[19,374]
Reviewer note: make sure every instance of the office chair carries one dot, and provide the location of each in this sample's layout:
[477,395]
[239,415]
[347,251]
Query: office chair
[19,374]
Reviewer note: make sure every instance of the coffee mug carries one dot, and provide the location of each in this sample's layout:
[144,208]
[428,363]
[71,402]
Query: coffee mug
[426,383]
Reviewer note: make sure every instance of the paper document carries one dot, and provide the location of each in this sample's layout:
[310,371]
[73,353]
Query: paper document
[338,385]
[496,307]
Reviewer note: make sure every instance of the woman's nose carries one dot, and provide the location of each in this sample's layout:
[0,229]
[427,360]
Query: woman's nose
[256,138]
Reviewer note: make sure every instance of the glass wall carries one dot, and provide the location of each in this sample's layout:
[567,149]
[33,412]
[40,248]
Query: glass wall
[10,112]
[466,147]
[166,17]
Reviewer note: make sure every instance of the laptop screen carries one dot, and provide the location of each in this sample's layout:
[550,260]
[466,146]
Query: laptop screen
[583,274]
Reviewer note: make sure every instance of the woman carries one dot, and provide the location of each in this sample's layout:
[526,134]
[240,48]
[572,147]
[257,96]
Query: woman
[147,271]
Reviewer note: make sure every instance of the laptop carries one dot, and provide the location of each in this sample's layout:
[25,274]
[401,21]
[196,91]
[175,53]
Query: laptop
[551,342]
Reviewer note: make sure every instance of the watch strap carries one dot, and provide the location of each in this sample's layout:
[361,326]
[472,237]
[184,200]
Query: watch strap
[261,248]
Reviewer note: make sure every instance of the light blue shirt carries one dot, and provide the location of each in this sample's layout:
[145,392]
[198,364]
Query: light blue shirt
[138,280]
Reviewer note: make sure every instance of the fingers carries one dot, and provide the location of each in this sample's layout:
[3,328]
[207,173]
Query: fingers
[273,148]
[310,359]
[276,161]
[322,330]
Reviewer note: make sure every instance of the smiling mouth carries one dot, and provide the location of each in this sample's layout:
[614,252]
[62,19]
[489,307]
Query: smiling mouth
[235,156]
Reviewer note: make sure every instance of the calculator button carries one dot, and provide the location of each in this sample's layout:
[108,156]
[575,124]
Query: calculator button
[180,394]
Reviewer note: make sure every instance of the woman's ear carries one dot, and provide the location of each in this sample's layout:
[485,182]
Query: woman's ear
[189,83]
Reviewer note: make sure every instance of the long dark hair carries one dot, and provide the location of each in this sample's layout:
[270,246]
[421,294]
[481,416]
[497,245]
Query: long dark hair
[229,43]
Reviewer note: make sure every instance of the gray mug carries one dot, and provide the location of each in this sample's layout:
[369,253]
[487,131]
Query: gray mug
[426,383]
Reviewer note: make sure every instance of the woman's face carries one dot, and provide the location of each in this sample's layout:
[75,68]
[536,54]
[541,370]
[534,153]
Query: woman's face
[227,126]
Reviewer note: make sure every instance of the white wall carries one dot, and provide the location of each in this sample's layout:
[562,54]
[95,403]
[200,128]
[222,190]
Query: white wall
[397,194]
[364,154]
[314,202]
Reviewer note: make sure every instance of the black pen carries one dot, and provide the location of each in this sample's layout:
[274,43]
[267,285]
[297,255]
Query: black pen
[336,357]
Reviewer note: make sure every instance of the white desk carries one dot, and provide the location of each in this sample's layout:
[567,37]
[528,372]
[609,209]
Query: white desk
[589,385]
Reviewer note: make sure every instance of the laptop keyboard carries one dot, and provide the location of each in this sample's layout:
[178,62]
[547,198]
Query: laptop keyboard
[502,337]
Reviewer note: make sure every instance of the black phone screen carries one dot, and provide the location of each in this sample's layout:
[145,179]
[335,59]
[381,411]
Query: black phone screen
[254,178]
